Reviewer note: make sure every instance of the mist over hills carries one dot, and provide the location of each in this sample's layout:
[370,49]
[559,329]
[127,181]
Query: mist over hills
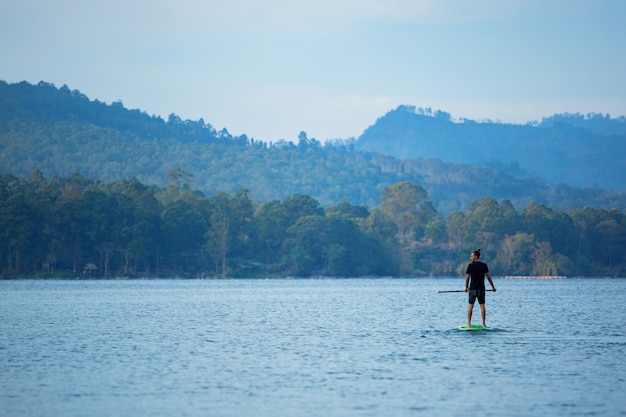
[578,150]
[564,161]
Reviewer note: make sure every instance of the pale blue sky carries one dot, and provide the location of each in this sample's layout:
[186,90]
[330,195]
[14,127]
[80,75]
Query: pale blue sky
[273,68]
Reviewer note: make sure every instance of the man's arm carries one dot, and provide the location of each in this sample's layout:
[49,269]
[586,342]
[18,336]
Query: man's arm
[491,282]
[467,277]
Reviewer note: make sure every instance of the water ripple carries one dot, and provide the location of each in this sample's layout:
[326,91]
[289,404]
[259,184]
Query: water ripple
[309,348]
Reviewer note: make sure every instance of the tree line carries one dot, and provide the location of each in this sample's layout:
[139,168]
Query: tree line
[78,227]
[59,131]
[552,149]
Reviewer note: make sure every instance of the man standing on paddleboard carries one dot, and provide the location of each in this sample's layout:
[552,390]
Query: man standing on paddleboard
[475,285]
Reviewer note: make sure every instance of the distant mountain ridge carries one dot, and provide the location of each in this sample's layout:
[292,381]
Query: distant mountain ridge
[577,150]
[46,104]
[59,131]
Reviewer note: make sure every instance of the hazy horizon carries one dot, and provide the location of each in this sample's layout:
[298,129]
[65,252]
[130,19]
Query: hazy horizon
[330,68]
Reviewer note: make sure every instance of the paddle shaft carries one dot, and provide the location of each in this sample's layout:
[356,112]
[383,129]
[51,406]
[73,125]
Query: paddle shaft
[457,291]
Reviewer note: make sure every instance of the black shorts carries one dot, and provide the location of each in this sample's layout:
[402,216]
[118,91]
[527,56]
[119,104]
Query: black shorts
[474,294]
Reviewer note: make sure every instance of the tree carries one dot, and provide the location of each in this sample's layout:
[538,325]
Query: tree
[17,230]
[270,225]
[183,231]
[229,226]
[72,221]
[400,203]
[606,240]
[305,244]
[515,254]
[480,223]
[144,233]
[299,205]
[508,220]
[454,228]
[544,264]
[551,226]
[348,211]
[179,181]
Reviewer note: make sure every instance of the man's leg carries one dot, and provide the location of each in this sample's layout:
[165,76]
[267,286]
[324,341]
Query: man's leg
[470,309]
[483,314]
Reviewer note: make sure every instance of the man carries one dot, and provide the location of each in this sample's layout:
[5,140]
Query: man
[475,285]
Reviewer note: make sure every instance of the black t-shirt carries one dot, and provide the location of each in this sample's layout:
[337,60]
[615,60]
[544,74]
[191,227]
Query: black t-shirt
[477,271]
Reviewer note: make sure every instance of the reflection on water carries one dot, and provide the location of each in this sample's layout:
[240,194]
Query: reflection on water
[309,348]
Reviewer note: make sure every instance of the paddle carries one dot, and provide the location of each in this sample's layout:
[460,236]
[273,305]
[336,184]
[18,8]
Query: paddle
[456,291]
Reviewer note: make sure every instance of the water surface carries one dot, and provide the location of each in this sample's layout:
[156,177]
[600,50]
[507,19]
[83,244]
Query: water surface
[310,348]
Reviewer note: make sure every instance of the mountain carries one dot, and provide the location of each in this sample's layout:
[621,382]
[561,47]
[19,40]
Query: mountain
[577,150]
[59,131]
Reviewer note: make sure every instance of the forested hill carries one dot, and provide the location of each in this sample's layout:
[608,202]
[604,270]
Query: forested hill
[59,131]
[46,105]
[579,150]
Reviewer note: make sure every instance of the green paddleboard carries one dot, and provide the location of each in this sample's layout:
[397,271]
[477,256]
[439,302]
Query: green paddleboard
[475,327]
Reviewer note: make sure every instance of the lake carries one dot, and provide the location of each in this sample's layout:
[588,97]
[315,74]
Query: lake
[290,347]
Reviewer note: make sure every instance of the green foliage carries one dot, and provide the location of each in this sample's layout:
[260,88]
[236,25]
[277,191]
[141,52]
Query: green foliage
[583,151]
[57,131]
[122,199]
[74,226]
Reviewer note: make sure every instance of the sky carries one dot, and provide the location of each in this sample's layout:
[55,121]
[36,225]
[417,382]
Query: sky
[271,69]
